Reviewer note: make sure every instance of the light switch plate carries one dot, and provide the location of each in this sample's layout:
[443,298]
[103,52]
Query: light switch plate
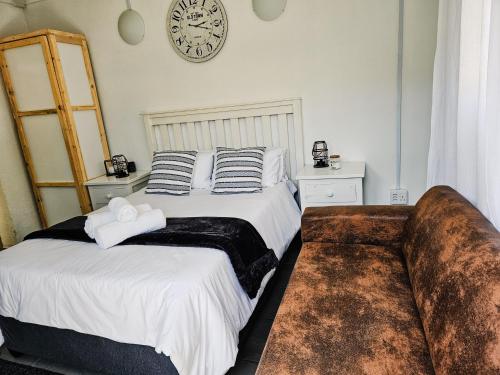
[399,196]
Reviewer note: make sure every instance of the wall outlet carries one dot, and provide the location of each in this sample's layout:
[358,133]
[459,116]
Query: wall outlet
[399,196]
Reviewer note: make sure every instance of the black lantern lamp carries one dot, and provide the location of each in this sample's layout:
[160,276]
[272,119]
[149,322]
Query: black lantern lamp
[120,165]
[320,154]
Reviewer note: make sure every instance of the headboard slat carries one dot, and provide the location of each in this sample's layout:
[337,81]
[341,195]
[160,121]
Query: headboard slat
[220,139]
[250,127]
[235,133]
[267,131]
[227,133]
[207,138]
[283,130]
[274,123]
[192,139]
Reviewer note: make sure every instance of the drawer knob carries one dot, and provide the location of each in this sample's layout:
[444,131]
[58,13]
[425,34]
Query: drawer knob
[109,195]
[330,194]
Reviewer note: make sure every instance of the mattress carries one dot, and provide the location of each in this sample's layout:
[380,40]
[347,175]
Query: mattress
[184,302]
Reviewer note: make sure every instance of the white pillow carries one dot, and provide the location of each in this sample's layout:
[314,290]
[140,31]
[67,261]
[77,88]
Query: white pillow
[273,169]
[202,175]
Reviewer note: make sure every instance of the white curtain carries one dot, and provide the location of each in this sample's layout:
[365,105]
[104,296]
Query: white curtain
[465,126]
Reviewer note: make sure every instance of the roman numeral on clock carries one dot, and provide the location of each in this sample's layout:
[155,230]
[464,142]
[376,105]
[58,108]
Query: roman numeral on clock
[176,15]
[182,4]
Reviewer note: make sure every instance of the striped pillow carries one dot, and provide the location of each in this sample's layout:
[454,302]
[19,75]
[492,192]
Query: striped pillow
[171,172]
[238,170]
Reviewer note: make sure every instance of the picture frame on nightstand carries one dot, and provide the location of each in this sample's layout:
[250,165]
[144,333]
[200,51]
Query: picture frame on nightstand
[108,166]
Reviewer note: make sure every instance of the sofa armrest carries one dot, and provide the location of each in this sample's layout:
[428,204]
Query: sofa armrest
[375,225]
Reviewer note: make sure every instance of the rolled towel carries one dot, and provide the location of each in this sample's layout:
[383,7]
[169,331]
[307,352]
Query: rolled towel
[97,219]
[122,209]
[113,233]
[141,208]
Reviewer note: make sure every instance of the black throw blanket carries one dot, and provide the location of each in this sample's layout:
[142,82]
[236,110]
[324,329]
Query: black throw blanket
[247,251]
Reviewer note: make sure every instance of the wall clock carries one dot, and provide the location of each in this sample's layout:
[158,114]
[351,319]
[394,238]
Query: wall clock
[197,29]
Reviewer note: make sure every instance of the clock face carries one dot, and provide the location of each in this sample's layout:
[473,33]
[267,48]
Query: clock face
[197,29]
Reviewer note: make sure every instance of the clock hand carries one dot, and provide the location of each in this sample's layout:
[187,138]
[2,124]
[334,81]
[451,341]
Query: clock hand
[200,27]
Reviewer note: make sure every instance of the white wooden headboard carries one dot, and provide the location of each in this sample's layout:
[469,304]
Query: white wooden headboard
[270,124]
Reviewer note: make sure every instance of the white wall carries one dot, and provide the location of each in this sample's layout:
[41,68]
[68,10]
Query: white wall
[418,63]
[338,55]
[13,176]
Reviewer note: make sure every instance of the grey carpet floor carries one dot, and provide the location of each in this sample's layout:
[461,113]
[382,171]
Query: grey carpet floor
[12,368]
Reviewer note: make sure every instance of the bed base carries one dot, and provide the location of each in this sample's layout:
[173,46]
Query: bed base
[83,351]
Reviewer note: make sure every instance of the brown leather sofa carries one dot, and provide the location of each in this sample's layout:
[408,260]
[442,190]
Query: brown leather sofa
[392,290]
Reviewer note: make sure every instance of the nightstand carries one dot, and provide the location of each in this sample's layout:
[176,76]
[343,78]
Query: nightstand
[329,187]
[103,189]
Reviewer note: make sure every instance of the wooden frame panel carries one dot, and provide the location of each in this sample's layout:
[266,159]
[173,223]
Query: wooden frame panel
[20,131]
[74,148]
[93,89]
[37,112]
[59,91]
[48,39]
[53,38]
[56,184]
[43,32]
[234,125]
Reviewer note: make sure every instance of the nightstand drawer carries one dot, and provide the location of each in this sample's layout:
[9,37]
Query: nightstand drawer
[333,192]
[328,187]
[103,189]
[102,195]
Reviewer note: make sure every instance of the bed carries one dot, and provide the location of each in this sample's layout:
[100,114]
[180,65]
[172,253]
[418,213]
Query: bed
[155,309]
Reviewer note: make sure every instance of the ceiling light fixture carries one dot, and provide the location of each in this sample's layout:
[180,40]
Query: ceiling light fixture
[268,10]
[131,25]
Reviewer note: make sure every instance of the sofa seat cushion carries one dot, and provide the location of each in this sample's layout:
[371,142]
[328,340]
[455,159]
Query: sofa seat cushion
[348,309]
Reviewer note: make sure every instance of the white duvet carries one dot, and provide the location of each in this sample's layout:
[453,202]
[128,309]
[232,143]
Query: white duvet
[185,302]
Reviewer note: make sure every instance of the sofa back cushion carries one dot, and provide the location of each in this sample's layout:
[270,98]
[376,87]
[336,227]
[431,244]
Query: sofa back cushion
[368,225]
[453,258]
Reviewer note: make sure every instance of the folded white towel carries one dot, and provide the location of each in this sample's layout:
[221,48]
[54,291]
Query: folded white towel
[96,220]
[122,209]
[113,233]
[141,208]
[100,218]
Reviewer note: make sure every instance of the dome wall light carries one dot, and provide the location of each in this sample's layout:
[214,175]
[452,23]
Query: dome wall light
[131,26]
[268,10]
